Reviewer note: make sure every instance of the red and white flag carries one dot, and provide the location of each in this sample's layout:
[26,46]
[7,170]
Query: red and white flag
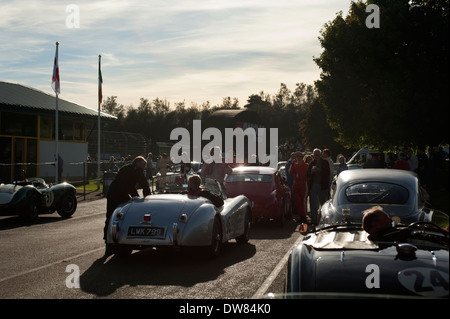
[55,77]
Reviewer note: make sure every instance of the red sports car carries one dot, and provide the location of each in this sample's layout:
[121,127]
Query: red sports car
[265,188]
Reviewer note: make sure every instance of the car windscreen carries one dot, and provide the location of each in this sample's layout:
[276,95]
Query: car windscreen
[377,193]
[249,177]
[212,186]
[171,183]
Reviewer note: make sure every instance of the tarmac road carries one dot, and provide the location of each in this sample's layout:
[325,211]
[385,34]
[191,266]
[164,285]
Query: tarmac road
[57,258]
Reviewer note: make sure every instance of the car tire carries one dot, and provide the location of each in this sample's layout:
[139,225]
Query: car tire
[32,211]
[67,205]
[216,240]
[244,238]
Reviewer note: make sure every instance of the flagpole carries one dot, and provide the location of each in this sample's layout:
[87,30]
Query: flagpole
[57,119]
[98,135]
[57,141]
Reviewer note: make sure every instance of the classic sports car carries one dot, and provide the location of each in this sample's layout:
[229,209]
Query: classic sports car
[176,220]
[342,261]
[33,196]
[397,191]
[264,187]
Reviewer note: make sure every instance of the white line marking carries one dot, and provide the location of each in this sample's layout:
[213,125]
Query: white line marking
[51,264]
[273,275]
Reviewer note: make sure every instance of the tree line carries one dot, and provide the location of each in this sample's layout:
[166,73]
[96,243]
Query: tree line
[385,87]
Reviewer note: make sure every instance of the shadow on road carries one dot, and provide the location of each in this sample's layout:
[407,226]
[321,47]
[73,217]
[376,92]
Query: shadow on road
[160,267]
[12,222]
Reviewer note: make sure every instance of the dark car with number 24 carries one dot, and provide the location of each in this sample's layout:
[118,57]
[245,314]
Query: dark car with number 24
[343,261]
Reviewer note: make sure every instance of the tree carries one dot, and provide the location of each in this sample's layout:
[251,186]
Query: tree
[316,131]
[227,103]
[387,86]
[111,106]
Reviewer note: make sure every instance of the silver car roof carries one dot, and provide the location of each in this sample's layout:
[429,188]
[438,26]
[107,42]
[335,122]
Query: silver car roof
[397,176]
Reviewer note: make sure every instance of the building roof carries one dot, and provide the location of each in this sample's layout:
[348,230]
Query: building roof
[20,98]
[231,117]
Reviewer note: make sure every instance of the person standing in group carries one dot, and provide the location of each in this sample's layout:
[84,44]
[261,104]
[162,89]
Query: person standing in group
[59,161]
[299,170]
[123,187]
[326,155]
[318,182]
[342,165]
[307,159]
[149,170]
[402,162]
[373,161]
[163,164]
[216,170]
[287,166]
[422,168]
[413,160]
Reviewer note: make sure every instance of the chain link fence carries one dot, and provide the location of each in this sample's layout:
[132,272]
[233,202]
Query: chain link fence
[83,175]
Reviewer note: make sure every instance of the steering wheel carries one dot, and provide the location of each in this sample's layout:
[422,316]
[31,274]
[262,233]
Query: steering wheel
[430,225]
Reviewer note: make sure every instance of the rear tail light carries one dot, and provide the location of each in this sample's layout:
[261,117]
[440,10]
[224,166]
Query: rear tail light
[115,231]
[183,218]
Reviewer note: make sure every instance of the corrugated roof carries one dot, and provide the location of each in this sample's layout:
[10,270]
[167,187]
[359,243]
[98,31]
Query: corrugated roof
[227,118]
[14,95]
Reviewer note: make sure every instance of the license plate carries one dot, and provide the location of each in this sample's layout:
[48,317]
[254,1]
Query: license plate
[147,232]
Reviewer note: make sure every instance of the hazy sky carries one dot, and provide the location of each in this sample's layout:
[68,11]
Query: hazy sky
[179,50]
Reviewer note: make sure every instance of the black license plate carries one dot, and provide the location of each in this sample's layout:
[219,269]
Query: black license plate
[147,232]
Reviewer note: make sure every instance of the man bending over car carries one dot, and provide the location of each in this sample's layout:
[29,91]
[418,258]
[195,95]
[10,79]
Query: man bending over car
[123,187]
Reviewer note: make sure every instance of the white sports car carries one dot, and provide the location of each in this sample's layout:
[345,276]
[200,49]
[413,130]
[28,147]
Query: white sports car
[173,219]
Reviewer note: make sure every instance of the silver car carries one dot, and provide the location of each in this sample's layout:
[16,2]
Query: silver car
[397,191]
[176,220]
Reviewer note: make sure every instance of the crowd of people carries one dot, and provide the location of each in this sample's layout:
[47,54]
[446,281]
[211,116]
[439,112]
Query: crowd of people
[310,177]
[430,168]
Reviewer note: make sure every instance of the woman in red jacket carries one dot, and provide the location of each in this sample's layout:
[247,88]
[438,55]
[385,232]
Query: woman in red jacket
[299,171]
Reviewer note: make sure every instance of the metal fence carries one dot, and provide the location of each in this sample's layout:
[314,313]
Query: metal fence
[77,174]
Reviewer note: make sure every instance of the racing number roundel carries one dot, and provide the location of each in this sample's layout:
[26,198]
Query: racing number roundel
[49,197]
[427,282]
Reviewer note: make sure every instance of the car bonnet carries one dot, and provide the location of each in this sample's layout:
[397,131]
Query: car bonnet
[349,262]
[7,192]
[381,272]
